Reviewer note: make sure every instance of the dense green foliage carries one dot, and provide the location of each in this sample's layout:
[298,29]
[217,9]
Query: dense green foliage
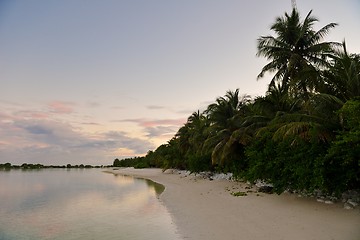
[304,134]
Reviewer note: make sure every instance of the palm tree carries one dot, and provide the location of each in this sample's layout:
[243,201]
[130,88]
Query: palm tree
[312,120]
[288,117]
[296,53]
[225,119]
[343,77]
[192,135]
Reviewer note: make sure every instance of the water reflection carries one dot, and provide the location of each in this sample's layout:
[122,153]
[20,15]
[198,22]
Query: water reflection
[159,188]
[124,180]
[62,204]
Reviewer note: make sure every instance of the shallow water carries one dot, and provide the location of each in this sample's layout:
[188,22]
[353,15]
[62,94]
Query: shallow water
[81,204]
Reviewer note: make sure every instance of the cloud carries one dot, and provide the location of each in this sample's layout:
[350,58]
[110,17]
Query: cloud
[117,107]
[35,129]
[4,116]
[55,142]
[154,107]
[156,122]
[158,128]
[139,146]
[48,131]
[162,122]
[25,114]
[61,107]
[47,136]
[93,104]
[90,123]
[161,131]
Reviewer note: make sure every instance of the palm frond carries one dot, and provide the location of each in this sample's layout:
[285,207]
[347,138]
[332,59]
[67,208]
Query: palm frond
[217,152]
[320,34]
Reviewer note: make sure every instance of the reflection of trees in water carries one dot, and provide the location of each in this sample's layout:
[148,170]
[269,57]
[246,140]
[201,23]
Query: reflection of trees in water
[159,188]
[126,179]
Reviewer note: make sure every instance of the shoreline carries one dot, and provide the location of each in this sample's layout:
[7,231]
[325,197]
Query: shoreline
[203,209]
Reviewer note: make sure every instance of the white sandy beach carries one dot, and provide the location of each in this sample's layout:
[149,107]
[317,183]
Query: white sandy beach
[205,210]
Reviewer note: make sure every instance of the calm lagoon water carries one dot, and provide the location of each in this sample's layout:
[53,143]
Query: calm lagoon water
[81,204]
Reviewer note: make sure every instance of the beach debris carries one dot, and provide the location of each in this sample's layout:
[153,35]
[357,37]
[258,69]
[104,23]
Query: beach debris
[264,187]
[169,171]
[204,175]
[222,176]
[351,199]
[352,203]
[353,195]
[348,206]
[239,194]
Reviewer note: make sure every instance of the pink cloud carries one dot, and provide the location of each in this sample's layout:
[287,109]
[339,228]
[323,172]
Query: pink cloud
[61,107]
[4,116]
[4,144]
[32,115]
[39,115]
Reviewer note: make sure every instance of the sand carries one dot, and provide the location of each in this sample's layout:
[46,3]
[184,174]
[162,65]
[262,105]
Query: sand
[206,210]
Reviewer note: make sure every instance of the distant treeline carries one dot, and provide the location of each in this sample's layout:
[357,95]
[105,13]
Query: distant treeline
[304,134]
[40,166]
[137,162]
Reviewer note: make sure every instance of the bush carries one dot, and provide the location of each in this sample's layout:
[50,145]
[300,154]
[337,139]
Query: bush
[199,163]
[342,162]
[285,165]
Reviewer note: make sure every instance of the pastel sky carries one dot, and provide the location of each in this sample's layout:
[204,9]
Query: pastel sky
[88,81]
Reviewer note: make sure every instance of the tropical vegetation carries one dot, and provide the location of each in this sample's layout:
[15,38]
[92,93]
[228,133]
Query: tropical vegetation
[304,134]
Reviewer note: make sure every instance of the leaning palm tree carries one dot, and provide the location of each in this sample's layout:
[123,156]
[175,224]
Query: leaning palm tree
[296,53]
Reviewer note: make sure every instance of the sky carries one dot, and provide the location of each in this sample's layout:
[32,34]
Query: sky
[88,81]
